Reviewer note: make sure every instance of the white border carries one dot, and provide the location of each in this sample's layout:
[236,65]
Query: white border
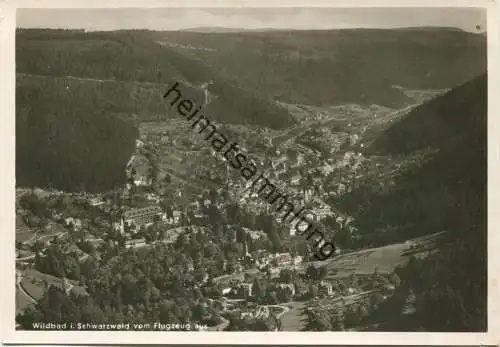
[7,190]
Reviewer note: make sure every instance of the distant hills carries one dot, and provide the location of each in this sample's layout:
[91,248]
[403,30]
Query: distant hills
[132,56]
[236,30]
[219,30]
[331,67]
[254,69]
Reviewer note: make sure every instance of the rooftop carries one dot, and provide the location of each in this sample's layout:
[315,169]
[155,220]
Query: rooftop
[141,211]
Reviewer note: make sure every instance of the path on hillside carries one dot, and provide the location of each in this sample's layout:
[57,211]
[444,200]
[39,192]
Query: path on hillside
[294,319]
[96,79]
[20,192]
[19,278]
[26,258]
[283,307]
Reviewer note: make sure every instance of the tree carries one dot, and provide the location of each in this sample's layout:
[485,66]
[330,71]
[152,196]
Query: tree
[337,323]
[272,298]
[34,221]
[311,273]
[319,322]
[313,291]
[286,276]
[323,272]
[259,290]
[167,179]
[353,316]
[363,311]
[37,246]
[375,300]
[395,280]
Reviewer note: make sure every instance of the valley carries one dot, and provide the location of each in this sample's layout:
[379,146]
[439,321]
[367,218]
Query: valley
[123,213]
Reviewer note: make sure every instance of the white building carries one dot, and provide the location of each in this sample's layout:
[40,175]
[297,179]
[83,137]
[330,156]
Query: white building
[142,181]
[74,223]
[96,202]
[153,198]
[135,243]
[326,288]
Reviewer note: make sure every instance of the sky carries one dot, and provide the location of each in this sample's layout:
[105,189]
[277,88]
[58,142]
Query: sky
[251,18]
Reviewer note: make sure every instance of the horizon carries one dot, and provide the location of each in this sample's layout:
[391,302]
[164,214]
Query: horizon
[228,30]
[252,19]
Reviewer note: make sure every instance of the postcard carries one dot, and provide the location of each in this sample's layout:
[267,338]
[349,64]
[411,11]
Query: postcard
[250,172]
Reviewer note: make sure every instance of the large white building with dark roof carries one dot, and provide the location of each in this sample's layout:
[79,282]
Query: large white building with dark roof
[143,216]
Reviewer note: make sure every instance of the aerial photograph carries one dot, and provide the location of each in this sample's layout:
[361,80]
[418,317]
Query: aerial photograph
[251,169]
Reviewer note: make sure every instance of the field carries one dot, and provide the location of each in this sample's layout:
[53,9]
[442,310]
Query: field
[381,259]
[33,287]
[364,262]
[51,280]
[22,301]
[25,236]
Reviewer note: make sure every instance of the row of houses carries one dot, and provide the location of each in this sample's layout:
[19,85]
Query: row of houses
[264,258]
[144,217]
[245,289]
[260,312]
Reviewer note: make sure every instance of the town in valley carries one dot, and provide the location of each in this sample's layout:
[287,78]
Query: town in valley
[125,215]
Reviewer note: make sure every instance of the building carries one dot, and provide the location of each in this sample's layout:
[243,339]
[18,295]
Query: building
[283,259]
[176,216]
[153,197]
[189,266]
[323,212]
[143,216]
[135,243]
[389,289]
[246,289]
[325,288]
[294,181]
[297,260]
[142,181]
[287,287]
[227,281]
[96,202]
[341,189]
[301,289]
[74,223]
[301,225]
[139,144]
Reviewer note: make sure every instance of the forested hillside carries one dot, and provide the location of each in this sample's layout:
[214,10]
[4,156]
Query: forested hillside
[68,143]
[441,146]
[361,66]
[79,96]
[132,56]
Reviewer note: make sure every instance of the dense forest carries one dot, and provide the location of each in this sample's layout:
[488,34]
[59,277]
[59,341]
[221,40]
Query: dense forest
[78,102]
[442,187]
[68,144]
[148,67]
[328,67]
[441,184]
